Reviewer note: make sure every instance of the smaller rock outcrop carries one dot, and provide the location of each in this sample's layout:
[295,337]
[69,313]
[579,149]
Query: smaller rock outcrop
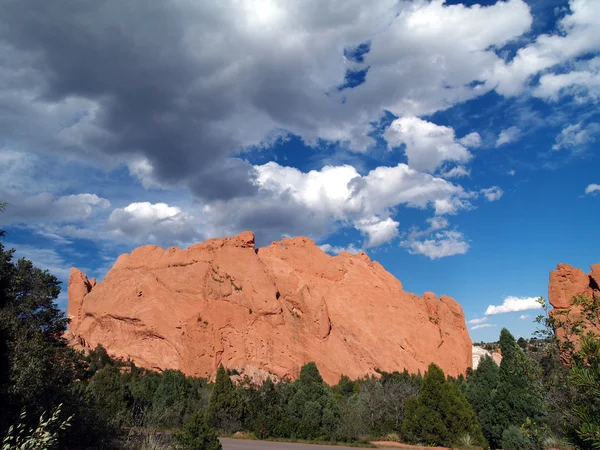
[567,282]
[479,353]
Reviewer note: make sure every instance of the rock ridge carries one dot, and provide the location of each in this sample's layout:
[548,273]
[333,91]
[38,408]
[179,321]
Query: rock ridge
[264,311]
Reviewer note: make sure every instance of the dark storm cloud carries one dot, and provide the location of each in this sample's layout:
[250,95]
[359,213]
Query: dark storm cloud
[132,59]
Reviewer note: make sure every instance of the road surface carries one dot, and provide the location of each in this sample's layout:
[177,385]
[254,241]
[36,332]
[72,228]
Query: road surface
[240,444]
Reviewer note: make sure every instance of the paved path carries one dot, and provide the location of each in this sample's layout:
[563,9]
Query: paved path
[240,444]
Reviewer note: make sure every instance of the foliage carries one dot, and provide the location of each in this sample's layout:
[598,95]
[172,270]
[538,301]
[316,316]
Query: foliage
[311,407]
[514,439]
[577,337]
[482,386]
[519,393]
[38,370]
[44,435]
[110,395]
[197,435]
[224,407]
[585,377]
[440,415]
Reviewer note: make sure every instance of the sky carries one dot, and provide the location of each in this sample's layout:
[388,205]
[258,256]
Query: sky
[455,143]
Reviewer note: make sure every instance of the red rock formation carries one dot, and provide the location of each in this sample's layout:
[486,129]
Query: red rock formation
[567,282]
[267,310]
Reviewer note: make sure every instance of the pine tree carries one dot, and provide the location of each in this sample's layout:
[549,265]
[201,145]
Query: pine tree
[519,395]
[312,408]
[440,415]
[482,385]
[110,395]
[223,411]
[197,435]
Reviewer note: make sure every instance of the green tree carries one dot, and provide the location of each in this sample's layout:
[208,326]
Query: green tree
[440,415]
[170,400]
[38,370]
[223,411]
[265,411]
[197,435]
[110,395]
[519,394]
[482,386]
[37,365]
[312,408]
[577,337]
[585,376]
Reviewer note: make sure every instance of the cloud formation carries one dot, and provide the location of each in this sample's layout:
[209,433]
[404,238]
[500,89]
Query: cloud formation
[45,207]
[427,145]
[156,223]
[592,189]
[225,76]
[439,245]
[477,321]
[492,194]
[508,136]
[183,108]
[575,135]
[514,304]
[483,325]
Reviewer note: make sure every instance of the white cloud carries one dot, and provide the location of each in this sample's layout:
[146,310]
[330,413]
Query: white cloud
[508,136]
[471,140]
[492,194]
[524,317]
[159,223]
[336,250]
[592,189]
[583,83]
[511,172]
[484,325]
[577,36]
[440,245]
[340,193]
[575,135]
[456,172]
[378,231]
[477,321]
[514,304]
[315,203]
[427,145]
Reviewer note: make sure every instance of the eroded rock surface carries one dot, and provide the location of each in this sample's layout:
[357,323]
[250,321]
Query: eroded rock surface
[479,353]
[261,311]
[567,282]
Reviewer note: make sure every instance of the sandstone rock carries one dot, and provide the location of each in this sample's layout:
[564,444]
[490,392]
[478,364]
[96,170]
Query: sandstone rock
[567,282]
[479,353]
[264,311]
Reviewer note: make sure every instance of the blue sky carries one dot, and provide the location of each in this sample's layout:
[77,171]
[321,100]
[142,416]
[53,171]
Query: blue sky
[455,143]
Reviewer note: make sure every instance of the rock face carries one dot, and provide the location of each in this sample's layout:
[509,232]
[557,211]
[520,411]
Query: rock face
[261,311]
[567,282]
[479,353]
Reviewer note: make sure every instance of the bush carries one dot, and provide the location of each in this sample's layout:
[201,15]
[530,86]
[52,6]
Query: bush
[197,435]
[440,415]
[514,439]
[43,436]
